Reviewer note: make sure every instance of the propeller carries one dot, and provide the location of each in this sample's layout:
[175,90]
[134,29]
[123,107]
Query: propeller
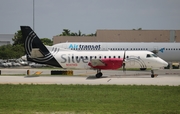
[124,64]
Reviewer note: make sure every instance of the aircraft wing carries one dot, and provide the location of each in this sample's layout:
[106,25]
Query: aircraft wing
[106,63]
[97,62]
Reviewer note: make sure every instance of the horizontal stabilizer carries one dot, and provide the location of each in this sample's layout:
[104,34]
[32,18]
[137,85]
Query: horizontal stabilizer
[35,53]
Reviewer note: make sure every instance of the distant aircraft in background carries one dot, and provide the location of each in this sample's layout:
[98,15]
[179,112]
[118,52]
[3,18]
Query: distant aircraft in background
[99,60]
[169,52]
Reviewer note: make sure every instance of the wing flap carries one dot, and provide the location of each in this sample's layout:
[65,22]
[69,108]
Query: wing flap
[97,62]
[110,63]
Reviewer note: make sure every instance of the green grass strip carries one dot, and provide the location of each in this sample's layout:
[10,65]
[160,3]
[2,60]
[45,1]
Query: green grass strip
[89,99]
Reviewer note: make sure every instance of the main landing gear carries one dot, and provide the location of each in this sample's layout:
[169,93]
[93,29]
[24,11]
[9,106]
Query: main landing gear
[99,73]
[152,74]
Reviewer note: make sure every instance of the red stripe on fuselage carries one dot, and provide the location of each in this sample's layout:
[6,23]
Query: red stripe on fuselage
[110,63]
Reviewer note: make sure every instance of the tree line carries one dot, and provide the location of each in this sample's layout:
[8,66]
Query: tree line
[16,50]
[67,32]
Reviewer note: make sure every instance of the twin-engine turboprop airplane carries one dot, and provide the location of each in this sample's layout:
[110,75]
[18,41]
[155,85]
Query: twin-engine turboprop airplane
[99,60]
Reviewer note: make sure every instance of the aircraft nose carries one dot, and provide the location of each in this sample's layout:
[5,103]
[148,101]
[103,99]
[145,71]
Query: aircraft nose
[164,63]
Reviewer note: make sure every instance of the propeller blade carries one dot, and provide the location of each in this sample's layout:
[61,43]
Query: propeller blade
[124,69]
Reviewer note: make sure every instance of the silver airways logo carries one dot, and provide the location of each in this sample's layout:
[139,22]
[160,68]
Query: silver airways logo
[73,59]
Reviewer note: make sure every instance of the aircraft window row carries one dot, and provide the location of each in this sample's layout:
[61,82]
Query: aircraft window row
[172,49]
[112,49]
[141,49]
[95,57]
[127,49]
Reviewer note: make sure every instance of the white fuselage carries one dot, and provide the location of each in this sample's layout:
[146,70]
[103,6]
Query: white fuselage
[133,59]
[170,52]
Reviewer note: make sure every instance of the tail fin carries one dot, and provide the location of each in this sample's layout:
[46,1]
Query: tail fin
[35,49]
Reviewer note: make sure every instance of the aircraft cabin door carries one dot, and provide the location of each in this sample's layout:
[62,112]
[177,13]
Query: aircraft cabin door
[103,47]
[65,46]
[132,61]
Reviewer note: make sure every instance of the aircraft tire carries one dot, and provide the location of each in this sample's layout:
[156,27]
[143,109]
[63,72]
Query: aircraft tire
[98,75]
[143,68]
[152,75]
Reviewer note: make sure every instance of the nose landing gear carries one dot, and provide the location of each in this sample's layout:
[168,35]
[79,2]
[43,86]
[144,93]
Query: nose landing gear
[152,74]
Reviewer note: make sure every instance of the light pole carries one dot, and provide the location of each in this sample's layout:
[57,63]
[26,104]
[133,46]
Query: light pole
[33,14]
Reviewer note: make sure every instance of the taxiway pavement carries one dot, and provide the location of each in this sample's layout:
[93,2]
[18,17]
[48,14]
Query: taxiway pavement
[165,77]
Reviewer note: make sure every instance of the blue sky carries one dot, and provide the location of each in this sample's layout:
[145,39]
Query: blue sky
[52,16]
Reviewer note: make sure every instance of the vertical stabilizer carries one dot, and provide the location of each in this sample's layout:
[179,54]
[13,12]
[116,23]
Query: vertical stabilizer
[35,49]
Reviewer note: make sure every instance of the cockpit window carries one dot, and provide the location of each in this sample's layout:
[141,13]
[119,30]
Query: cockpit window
[151,55]
[154,55]
[148,55]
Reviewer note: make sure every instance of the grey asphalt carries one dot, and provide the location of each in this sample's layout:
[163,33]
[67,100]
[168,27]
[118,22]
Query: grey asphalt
[165,77]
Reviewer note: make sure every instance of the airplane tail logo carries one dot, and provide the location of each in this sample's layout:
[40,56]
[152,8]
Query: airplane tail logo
[35,49]
[162,50]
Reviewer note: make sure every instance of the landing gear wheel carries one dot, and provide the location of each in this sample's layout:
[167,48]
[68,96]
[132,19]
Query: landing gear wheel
[98,75]
[143,68]
[152,74]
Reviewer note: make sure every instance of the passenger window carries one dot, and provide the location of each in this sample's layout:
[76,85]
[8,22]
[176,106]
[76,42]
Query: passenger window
[114,56]
[109,56]
[118,56]
[104,56]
